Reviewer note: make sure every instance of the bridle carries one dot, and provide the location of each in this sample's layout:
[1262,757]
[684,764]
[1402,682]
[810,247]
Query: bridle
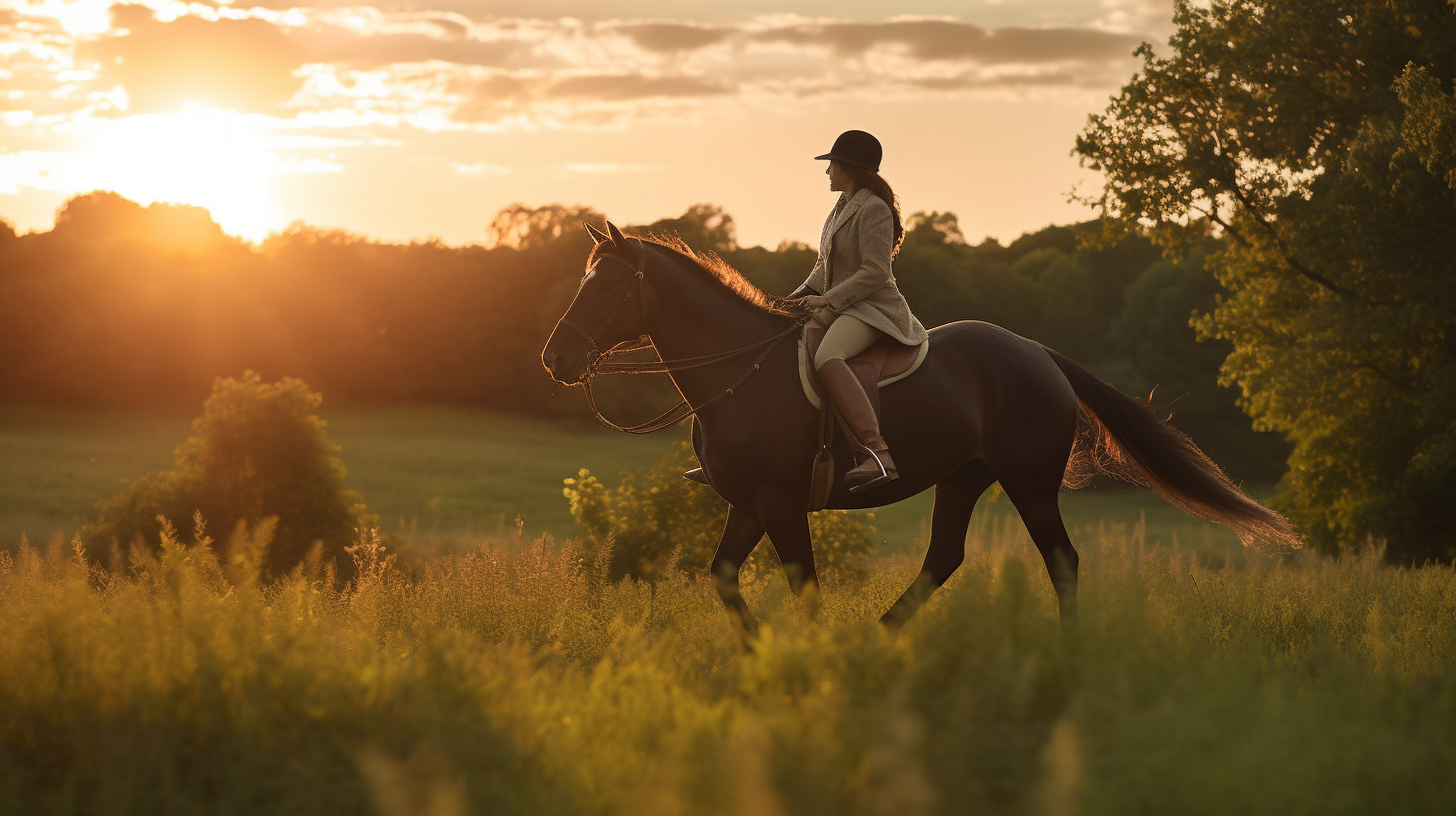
[590,337]
[600,361]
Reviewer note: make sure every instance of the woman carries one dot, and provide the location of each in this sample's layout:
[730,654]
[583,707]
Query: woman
[852,291]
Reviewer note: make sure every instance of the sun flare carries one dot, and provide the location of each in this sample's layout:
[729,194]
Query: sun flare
[216,160]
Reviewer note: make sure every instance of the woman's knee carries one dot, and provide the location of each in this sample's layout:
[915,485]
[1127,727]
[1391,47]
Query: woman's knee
[824,355]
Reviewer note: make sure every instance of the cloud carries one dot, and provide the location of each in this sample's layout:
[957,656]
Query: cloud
[244,65]
[617,88]
[365,37]
[667,38]
[953,40]
[429,66]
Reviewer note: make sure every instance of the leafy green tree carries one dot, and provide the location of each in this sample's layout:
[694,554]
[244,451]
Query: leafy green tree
[1317,137]
[257,452]
[1153,350]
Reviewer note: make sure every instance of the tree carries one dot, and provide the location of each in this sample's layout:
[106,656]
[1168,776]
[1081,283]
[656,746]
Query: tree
[934,227]
[701,226]
[522,227]
[258,452]
[1317,137]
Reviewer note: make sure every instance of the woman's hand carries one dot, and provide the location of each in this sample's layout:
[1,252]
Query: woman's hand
[813,302]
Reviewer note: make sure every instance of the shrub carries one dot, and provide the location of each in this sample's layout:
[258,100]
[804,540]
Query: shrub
[257,452]
[656,519]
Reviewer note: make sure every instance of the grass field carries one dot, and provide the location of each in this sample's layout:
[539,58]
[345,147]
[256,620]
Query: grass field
[503,673]
[441,477]
[515,680]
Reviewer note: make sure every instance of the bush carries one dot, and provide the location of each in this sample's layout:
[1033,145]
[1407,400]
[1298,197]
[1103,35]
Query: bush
[656,519]
[257,452]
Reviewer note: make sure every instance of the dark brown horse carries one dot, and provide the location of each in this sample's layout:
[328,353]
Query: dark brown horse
[986,406]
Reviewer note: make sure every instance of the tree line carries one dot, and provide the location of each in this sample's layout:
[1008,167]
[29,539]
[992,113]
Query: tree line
[122,305]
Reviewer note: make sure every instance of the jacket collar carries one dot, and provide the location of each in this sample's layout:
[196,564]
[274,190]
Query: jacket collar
[846,211]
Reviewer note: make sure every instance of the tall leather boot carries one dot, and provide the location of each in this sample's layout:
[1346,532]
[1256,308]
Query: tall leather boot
[859,414]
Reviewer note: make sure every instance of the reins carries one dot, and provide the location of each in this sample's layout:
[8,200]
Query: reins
[602,363]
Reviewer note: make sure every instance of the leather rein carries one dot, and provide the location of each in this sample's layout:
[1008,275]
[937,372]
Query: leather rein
[600,361]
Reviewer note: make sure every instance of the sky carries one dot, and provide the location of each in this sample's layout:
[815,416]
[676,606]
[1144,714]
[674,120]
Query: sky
[421,119]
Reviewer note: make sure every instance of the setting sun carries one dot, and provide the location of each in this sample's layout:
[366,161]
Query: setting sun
[209,158]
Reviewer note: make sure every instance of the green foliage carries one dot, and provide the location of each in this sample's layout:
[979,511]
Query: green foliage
[258,452]
[1316,136]
[655,520]
[520,680]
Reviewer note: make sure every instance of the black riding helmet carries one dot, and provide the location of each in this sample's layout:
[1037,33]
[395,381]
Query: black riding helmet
[857,148]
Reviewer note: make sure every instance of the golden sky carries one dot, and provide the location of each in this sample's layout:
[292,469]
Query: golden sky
[421,118]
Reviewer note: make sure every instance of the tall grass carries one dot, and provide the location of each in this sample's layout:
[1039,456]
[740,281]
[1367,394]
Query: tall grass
[519,679]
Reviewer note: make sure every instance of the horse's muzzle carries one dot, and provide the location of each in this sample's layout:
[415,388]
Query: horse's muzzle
[563,372]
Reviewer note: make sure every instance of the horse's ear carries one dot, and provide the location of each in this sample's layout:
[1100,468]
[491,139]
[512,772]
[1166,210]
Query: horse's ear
[616,235]
[597,235]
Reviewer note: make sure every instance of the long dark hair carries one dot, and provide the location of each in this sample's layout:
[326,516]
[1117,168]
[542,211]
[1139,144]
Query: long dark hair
[864,177]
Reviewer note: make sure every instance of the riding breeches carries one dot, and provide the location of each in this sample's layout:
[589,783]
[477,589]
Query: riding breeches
[846,337]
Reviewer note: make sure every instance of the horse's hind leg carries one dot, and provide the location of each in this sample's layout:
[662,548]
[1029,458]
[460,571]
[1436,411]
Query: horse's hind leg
[955,499]
[1037,504]
[740,535]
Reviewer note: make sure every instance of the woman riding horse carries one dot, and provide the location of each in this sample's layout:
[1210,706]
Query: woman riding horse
[851,291]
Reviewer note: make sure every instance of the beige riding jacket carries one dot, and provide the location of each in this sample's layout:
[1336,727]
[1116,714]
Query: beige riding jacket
[853,270]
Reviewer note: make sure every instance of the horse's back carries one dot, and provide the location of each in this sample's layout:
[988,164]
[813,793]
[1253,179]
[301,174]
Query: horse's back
[995,358]
[983,387]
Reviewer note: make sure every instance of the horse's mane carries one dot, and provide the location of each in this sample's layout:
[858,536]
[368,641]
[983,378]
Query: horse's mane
[718,269]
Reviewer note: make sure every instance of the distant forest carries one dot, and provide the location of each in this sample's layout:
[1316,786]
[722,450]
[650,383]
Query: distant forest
[121,305]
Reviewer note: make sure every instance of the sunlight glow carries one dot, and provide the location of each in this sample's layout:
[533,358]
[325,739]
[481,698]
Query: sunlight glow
[75,16]
[222,161]
[208,158]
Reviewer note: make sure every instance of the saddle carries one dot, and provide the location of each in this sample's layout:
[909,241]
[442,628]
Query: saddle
[886,361]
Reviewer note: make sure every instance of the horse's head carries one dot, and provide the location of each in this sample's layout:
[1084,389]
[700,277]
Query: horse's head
[606,311]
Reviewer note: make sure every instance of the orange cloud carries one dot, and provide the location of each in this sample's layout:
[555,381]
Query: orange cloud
[246,65]
[951,40]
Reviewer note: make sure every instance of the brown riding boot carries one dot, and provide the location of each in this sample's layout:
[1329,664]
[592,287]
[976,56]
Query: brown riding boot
[859,414]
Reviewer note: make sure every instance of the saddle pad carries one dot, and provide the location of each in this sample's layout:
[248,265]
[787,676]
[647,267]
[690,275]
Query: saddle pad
[892,359]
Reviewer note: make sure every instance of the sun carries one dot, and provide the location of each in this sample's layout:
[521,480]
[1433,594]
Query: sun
[213,159]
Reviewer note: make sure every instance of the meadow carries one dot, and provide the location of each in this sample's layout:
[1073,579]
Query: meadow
[442,478]
[519,680]
[504,673]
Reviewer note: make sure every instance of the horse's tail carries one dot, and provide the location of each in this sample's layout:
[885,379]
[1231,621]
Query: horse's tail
[1121,437]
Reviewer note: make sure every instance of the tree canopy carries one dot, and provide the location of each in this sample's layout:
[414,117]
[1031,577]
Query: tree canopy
[1318,138]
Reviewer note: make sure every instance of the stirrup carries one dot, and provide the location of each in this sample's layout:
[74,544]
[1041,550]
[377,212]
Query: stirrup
[885,476]
[696,475]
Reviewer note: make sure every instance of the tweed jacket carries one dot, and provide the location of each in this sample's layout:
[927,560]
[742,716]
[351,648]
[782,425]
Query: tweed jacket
[853,269]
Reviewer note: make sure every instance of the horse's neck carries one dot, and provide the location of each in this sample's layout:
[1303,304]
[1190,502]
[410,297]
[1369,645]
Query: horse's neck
[697,317]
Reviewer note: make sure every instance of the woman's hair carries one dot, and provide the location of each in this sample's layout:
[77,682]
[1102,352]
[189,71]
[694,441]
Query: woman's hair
[864,177]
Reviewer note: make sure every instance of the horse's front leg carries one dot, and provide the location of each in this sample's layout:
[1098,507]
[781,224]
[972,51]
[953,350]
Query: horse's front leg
[740,535]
